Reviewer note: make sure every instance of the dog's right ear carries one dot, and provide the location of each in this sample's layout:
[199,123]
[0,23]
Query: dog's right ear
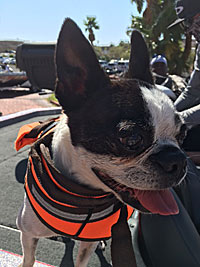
[139,63]
[78,71]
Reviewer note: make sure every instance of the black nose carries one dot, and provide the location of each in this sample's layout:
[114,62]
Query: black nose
[171,159]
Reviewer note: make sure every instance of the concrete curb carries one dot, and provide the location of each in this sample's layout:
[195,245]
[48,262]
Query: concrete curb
[27,114]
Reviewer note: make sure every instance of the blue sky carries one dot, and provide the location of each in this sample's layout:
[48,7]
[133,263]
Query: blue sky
[40,20]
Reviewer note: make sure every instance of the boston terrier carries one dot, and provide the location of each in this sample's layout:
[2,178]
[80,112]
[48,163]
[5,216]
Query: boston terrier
[121,136]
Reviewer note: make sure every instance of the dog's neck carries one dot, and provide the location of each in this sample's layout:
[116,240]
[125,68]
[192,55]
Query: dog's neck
[68,161]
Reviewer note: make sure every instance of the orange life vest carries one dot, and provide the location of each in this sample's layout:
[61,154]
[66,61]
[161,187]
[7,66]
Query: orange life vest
[64,206]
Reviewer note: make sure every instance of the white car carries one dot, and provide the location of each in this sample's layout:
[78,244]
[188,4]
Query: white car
[6,61]
[122,65]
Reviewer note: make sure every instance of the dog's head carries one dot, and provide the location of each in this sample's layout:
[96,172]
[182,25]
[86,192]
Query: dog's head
[127,130]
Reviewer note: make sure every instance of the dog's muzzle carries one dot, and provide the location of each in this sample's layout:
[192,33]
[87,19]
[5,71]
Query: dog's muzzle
[172,162]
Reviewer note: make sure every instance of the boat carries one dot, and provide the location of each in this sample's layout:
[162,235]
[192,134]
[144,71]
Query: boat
[12,78]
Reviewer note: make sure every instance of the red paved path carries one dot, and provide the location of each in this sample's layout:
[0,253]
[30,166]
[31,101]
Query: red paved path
[19,99]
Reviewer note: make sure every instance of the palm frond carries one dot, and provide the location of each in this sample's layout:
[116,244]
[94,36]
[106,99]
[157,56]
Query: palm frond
[139,4]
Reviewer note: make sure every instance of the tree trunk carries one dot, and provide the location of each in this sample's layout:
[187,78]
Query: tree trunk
[91,37]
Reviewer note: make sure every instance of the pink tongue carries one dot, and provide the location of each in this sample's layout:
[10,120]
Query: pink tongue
[161,202]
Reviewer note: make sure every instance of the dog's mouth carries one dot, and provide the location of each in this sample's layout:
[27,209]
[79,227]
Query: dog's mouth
[151,201]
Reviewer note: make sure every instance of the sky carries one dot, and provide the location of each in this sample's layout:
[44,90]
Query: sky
[41,20]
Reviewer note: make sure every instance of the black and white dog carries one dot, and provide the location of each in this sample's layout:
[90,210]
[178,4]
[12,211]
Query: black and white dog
[115,135]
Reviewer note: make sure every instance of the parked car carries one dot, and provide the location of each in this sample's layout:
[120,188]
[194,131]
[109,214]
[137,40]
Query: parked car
[1,59]
[13,61]
[111,67]
[103,63]
[122,65]
[6,60]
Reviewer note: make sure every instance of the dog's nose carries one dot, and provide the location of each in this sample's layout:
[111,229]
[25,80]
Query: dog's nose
[171,159]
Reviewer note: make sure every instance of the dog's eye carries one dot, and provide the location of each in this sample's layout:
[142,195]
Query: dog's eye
[132,142]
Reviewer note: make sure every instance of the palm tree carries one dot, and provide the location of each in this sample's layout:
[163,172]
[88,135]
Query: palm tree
[90,24]
[157,15]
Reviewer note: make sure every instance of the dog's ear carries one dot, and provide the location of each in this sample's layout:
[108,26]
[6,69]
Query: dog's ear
[139,64]
[78,71]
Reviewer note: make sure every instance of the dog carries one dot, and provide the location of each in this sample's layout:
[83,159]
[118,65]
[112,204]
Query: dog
[119,136]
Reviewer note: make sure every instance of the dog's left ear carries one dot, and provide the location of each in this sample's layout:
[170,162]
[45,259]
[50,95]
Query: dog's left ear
[78,71]
[139,63]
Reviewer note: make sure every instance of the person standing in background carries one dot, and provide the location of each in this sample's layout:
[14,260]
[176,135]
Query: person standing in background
[188,12]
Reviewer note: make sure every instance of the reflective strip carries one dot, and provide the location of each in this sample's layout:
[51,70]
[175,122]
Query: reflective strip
[102,214]
[71,216]
[80,217]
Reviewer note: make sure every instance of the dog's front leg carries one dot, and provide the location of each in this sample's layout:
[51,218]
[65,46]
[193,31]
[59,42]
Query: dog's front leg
[29,245]
[84,252]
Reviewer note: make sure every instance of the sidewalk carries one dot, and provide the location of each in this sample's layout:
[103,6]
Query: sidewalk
[17,104]
[19,99]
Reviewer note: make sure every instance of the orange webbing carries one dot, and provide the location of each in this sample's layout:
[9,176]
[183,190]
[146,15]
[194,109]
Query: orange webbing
[21,141]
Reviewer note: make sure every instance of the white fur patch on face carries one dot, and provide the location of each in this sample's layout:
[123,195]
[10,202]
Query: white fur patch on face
[115,167]
[67,159]
[163,113]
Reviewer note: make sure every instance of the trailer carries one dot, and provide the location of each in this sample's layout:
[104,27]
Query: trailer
[37,60]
